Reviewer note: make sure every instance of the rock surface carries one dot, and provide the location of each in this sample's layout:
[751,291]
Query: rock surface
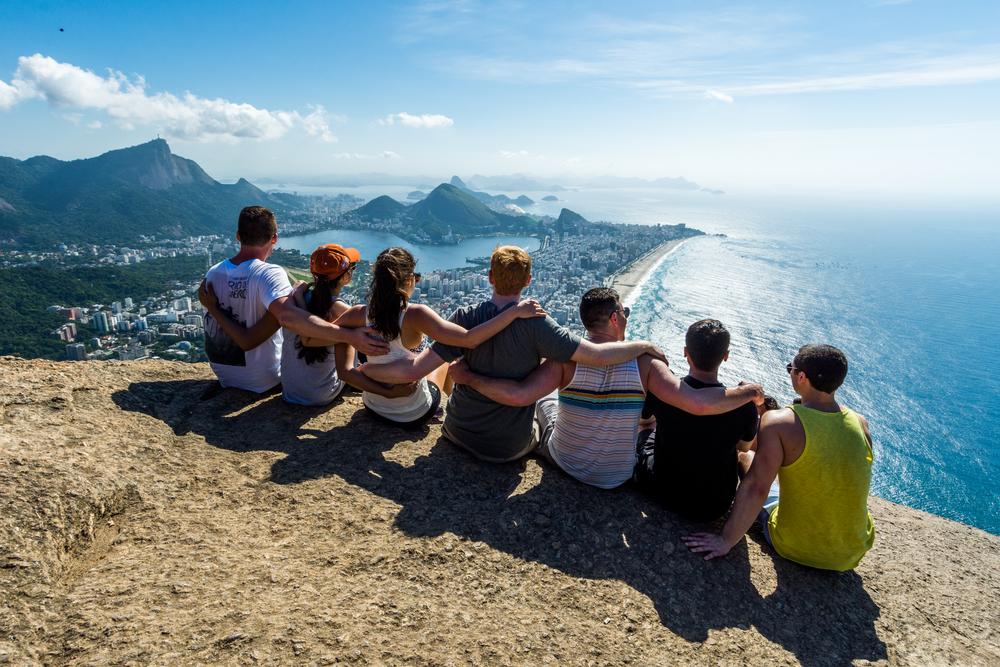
[150,517]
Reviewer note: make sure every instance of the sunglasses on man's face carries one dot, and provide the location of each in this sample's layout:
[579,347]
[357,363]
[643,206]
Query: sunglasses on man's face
[626,311]
[790,368]
[416,278]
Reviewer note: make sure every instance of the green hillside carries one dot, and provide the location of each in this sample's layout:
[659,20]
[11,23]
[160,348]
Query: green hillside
[381,208]
[115,197]
[26,292]
[450,207]
[446,207]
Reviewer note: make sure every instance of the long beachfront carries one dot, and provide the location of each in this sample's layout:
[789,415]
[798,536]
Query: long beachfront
[627,280]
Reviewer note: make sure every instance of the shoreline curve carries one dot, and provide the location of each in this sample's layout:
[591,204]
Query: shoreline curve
[625,283]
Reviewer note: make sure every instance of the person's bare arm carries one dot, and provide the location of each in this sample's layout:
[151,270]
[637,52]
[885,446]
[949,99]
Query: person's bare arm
[321,332]
[609,354]
[750,495]
[247,339]
[352,376]
[425,320]
[709,401]
[405,370]
[868,435]
[541,382]
[745,445]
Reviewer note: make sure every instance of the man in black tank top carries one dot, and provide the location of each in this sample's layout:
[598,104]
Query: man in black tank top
[691,464]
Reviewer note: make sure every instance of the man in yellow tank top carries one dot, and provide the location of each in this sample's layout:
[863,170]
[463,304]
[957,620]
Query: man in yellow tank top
[816,511]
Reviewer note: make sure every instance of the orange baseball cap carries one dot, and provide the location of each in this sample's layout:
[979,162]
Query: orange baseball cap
[332,260]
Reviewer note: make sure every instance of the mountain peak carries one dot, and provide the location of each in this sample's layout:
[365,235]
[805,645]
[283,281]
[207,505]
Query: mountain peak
[150,164]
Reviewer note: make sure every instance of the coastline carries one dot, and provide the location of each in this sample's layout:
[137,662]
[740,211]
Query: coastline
[625,283]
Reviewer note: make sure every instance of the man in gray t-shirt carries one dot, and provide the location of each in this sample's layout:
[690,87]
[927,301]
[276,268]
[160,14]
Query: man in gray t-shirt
[491,431]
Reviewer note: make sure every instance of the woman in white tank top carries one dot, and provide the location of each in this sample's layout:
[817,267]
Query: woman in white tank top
[403,325]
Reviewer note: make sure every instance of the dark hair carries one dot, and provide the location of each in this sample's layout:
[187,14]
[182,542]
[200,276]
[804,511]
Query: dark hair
[319,303]
[597,305]
[770,403]
[824,365]
[387,295]
[256,226]
[707,342]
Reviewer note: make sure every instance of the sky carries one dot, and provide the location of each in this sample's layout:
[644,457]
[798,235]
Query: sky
[890,96]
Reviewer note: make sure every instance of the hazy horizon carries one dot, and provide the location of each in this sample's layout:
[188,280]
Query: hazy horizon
[873,97]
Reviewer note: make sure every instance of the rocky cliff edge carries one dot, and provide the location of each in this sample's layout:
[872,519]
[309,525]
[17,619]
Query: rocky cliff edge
[149,517]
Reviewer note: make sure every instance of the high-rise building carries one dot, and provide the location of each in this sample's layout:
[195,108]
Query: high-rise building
[101,323]
[183,304]
[66,332]
[76,352]
[128,302]
[116,307]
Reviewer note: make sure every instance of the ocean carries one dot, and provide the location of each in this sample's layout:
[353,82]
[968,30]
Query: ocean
[909,292]
[907,289]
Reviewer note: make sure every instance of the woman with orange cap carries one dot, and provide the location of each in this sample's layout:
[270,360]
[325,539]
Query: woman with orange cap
[309,374]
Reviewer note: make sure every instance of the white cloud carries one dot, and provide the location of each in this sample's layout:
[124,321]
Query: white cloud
[389,155]
[716,95]
[186,118]
[317,124]
[426,120]
[74,118]
[572,160]
[521,154]
[96,125]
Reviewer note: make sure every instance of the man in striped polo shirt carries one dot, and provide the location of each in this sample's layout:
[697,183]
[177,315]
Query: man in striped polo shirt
[589,427]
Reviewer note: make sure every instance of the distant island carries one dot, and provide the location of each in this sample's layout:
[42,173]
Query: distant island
[550,198]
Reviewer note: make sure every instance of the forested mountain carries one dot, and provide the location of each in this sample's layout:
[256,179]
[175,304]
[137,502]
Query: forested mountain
[447,207]
[115,197]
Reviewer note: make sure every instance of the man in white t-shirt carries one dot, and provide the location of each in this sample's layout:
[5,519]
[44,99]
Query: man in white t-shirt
[252,292]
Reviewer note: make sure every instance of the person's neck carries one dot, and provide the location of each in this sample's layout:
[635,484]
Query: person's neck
[250,253]
[817,400]
[601,336]
[708,377]
[501,301]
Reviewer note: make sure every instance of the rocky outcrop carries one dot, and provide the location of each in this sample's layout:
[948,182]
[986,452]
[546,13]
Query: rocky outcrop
[151,517]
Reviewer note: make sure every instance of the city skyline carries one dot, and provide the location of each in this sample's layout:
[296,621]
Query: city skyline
[876,96]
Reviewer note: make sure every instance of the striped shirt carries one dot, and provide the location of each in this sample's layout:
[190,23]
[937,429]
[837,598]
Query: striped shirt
[594,435]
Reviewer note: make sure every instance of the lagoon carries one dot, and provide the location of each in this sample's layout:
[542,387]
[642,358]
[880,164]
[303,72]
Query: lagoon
[429,257]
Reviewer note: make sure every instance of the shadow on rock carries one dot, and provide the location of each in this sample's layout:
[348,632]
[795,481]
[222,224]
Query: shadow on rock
[824,618]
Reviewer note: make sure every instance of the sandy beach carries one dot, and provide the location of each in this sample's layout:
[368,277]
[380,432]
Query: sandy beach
[627,281]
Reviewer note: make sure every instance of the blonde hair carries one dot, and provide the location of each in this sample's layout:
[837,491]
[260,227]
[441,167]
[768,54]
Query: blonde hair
[511,267]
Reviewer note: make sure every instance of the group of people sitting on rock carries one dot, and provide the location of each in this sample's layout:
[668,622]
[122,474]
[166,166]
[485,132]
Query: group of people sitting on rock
[602,409]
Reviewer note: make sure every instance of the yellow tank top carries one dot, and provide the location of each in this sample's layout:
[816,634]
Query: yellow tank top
[822,517]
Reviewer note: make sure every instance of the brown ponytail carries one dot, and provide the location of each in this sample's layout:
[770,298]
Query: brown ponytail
[319,303]
[387,296]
